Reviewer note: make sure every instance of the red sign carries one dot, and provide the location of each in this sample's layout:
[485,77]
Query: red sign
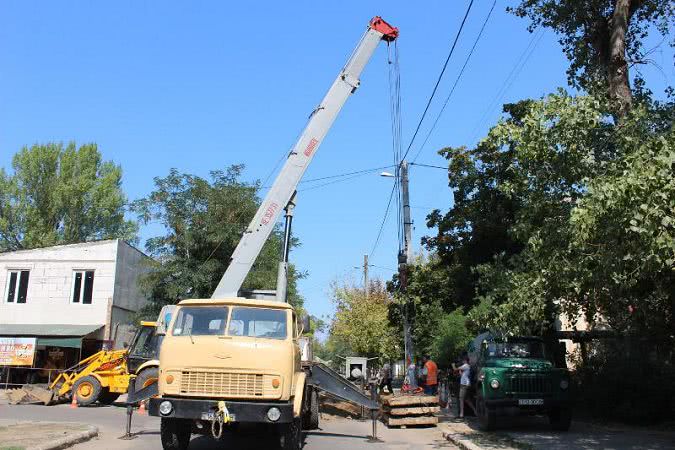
[310,147]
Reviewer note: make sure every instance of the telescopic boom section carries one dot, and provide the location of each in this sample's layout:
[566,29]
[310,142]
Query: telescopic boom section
[301,156]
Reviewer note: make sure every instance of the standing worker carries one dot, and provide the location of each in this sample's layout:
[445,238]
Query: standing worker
[464,384]
[385,378]
[430,371]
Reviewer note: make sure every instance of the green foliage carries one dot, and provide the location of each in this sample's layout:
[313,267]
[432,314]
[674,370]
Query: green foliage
[203,222]
[61,195]
[360,325]
[590,217]
[585,32]
[451,339]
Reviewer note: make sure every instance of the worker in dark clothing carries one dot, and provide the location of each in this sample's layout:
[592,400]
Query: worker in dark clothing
[385,378]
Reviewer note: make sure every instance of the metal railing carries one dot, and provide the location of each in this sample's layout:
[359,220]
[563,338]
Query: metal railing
[5,375]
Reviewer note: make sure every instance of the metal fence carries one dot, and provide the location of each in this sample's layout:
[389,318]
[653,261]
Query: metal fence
[29,373]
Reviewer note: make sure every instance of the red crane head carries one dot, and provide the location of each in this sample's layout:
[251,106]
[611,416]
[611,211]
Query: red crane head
[389,33]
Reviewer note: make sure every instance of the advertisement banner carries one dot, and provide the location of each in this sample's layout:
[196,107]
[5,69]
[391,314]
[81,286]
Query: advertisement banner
[17,351]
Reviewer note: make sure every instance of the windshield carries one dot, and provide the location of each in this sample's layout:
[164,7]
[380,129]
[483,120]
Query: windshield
[531,349]
[258,322]
[200,321]
[146,344]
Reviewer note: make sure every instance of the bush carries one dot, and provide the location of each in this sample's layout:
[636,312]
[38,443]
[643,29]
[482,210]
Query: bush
[626,382]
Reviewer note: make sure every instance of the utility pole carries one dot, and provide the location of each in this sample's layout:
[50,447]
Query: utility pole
[365,274]
[405,259]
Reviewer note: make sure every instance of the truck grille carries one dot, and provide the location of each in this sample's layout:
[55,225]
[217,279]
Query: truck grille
[224,384]
[533,384]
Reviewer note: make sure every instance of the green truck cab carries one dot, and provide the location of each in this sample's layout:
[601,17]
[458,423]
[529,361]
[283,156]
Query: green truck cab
[514,375]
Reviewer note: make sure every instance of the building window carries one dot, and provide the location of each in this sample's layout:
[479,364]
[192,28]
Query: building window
[83,286]
[17,286]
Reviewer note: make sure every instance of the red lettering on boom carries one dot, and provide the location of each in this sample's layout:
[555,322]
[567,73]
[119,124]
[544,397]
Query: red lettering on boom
[310,147]
[269,213]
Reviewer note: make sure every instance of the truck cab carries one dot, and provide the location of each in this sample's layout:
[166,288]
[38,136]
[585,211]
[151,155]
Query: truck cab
[514,374]
[230,361]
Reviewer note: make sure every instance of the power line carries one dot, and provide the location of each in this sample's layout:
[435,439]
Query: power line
[459,76]
[347,174]
[384,220]
[438,81]
[510,78]
[429,165]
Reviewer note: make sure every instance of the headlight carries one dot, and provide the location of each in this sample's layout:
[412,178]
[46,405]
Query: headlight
[273,414]
[481,377]
[494,384]
[564,384]
[165,408]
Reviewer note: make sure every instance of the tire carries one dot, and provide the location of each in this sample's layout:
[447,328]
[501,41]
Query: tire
[146,377]
[175,433]
[314,411]
[290,435]
[87,390]
[107,397]
[487,417]
[560,418]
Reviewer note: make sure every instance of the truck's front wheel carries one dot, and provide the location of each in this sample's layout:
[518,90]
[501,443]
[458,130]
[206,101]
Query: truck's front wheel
[310,417]
[560,418]
[487,417]
[291,435]
[175,433]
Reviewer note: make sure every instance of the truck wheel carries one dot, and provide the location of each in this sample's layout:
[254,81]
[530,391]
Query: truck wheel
[314,411]
[310,414]
[291,435]
[560,418]
[487,417]
[148,376]
[107,397]
[175,433]
[87,390]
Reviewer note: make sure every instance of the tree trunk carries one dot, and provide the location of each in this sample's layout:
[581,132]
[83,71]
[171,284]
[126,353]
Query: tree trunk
[617,69]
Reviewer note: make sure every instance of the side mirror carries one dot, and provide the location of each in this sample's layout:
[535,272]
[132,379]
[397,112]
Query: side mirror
[306,324]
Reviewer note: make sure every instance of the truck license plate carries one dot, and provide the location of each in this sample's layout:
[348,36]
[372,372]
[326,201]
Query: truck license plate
[530,401]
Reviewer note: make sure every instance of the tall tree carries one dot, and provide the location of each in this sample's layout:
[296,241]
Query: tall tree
[203,221]
[61,195]
[360,322]
[601,38]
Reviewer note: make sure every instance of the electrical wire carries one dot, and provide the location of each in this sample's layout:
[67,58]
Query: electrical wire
[459,76]
[438,81]
[509,80]
[384,220]
[429,165]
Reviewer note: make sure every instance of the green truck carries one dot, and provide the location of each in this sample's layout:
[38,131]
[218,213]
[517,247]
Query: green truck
[516,375]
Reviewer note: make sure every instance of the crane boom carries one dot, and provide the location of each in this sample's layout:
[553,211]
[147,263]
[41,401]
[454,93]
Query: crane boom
[301,155]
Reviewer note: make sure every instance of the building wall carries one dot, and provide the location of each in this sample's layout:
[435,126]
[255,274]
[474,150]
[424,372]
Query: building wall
[49,297]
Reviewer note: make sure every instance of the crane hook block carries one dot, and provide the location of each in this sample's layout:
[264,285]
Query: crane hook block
[390,33]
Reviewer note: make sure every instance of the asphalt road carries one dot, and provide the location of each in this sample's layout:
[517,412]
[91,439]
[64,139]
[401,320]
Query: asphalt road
[335,433]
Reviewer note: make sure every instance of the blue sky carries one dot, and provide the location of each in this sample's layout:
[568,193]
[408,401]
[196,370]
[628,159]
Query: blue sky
[202,85]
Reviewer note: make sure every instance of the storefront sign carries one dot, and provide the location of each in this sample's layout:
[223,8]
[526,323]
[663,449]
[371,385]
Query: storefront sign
[17,351]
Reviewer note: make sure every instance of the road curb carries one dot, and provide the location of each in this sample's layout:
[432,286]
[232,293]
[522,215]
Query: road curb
[69,441]
[461,441]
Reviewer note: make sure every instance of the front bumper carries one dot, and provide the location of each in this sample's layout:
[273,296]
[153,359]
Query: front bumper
[252,412]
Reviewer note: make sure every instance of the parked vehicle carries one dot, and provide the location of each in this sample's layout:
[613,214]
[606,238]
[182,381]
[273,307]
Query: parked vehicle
[515,374]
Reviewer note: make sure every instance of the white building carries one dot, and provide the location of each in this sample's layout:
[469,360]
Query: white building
[71,296]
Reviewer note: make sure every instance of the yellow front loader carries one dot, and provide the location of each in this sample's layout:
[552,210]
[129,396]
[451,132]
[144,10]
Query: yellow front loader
[101,377]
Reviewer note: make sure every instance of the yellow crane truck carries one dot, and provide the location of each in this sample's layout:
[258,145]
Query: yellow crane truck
[229,360]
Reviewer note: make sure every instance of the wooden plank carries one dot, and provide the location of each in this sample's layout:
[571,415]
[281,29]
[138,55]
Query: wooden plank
[411,400]
[411,411]
[403,421]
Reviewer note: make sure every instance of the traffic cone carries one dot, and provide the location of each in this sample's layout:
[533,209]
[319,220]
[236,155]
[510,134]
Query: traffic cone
[141,408]
[73,403]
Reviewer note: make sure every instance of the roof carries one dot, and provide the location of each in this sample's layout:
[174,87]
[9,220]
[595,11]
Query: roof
[78,245]
[47,329]
[236,301]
